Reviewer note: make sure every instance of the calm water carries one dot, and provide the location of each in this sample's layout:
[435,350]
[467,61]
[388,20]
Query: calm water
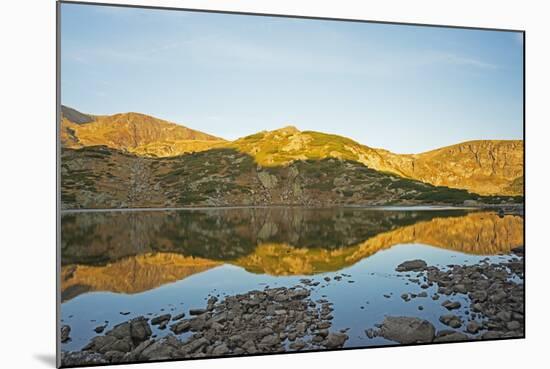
[152,262]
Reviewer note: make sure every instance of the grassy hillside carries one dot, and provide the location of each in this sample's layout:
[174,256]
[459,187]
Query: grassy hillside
[100,177]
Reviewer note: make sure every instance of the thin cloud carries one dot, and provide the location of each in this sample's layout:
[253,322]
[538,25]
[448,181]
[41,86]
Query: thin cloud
[460,60]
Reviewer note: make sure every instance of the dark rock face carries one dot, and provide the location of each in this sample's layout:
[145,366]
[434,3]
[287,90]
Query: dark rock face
[412,265]
[407,330]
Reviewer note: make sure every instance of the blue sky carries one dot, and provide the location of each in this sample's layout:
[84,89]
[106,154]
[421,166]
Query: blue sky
[407,89]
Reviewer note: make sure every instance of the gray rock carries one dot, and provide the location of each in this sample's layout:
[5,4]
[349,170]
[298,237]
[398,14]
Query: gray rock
[65,333]
[196,344]
[491,335]
[297,345]
[220,350]
[504,316]
[460,288]
[161,318]
[180,327]
[335,340]
[453,321]
[407,330]
[270,340]
[451,337]
[178,316]
[250,347]
[513,325]
[371,333]
[167,348]
[451,305]
[412,265]
[79,358]
[136,329]
[473,327]
[197,311]
[100,328]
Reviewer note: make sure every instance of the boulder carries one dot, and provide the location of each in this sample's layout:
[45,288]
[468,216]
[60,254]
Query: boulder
[412,265]
[335,340]
[161,318]
[80,358]
[453,336]
[65,333]
[407,330]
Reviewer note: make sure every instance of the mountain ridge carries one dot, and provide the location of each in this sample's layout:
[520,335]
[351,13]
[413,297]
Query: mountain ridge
[484,167]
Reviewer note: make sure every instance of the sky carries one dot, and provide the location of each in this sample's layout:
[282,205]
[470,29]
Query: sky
[408,89]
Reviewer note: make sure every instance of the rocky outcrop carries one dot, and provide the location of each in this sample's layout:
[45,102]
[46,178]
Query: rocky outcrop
[490,167]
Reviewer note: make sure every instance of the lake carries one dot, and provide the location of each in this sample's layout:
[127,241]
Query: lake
[168,261]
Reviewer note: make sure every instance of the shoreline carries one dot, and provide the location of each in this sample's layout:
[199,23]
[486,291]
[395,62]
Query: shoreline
[496,207]
[494,295]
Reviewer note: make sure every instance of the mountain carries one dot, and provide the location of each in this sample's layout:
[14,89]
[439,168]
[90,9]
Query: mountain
[100,177]
[132,132]
[133,159]
[487,167]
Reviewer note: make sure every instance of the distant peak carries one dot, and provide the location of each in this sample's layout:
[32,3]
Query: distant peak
[75,116]
[288,130]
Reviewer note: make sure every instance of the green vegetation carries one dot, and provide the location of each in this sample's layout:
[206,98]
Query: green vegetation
[225,176]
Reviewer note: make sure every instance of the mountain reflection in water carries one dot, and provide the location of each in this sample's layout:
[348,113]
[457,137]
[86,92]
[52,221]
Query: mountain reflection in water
[131,252]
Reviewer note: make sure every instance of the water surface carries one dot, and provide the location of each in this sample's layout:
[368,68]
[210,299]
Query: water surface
[152,262]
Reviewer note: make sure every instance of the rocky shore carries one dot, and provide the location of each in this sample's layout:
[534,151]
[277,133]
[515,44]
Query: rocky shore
[271,320]
[495,295]
[481,301]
